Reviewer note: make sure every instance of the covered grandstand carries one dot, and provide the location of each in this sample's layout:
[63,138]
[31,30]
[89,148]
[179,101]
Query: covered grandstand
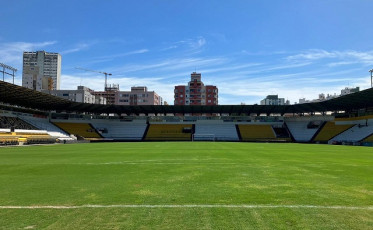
[347,119]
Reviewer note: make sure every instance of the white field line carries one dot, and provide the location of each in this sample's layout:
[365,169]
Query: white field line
[140,163]
[242,206]
[159,163]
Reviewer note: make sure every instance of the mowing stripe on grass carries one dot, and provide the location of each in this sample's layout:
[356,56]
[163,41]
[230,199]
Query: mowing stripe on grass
[242,206]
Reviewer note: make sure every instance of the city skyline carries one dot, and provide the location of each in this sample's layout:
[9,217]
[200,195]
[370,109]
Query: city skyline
[248,49]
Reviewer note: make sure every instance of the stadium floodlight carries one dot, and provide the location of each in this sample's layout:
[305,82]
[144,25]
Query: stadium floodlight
[9,68]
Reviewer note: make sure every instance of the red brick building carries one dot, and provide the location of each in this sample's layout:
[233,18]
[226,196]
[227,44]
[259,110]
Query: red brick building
[196,93]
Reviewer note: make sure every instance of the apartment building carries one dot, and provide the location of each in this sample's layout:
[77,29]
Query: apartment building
[41,70]
[195,93]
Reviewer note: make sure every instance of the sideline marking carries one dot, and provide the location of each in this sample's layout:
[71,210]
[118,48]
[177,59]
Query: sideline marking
[242,206]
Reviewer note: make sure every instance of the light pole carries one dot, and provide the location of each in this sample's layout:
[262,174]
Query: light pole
[371,78]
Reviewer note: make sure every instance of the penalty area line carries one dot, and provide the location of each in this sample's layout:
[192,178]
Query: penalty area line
[242,206]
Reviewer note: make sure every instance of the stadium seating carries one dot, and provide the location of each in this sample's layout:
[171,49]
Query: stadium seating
[84,130]
[34,136]
[369,139]
[220,132]
[301,131]
[44,124]
[120,130]
[330,130]
[25,137]
[14,122]
[169,132]
[256,132]
[8,138]
[357,133]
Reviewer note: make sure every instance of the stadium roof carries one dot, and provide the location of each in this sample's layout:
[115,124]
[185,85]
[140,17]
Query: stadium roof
[27,98]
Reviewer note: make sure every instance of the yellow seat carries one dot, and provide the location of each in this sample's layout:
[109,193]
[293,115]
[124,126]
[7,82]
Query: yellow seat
[81,129]
[256,132]
[167,132]
[330,130]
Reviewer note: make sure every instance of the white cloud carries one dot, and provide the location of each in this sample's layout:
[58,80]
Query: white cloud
[238,81]
[11,53]
[348,56]
[77,48]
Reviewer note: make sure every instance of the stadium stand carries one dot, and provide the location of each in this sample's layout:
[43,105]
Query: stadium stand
[256,132]
[169,132]
[369,139]
[344,119]
[120,130]
[14,122]
[220,130]
[7,138]
[357,133]
[44,124]
[303,131]
[330,130]
[25,137]
[83,130]
[281,132]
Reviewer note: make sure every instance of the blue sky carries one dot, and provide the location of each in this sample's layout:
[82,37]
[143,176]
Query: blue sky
[248,49]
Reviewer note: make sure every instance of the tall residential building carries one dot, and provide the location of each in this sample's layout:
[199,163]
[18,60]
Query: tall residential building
[273,100]
[195,93]
[41,70]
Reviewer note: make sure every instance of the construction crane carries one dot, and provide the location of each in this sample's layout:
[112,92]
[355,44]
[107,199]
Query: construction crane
[106,74]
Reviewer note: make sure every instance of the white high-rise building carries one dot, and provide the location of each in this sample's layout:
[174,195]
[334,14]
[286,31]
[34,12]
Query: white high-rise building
[274,100]
[41,70]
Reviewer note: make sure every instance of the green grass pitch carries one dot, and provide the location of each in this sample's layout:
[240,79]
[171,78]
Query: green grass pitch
[186,185]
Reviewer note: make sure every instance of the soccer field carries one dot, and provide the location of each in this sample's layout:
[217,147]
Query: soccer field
[186,185]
